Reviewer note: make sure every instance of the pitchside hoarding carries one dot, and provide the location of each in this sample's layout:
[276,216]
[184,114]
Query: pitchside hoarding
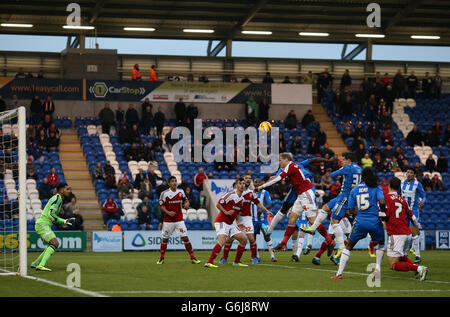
[106,241]
[67,240]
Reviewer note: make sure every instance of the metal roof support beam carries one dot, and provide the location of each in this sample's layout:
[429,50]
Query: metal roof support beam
[73,44]
[355,52]
[96,11]
[410,7]
[216,50]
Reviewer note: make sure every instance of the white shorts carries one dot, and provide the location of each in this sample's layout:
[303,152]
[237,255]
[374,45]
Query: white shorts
[305,202]
[247,221]
[345,225]
[222,228]
[169,227]
[398,245]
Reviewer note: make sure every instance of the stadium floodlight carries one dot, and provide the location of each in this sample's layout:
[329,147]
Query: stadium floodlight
[16,25]
[139,29]
[425,37]
[14,250]
[78,27]
[313,34]
[198,31]
[257,32]
[371,35]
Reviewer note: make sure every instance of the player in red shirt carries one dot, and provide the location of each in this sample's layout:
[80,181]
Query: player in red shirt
[246,221]
[305,200]
[399,233]
[170,202]
[230,206]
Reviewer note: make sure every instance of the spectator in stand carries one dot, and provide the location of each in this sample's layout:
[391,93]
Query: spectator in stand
[437,184]
[387,137]
[135,135]
[131,116]
[366,161]
[326,150]
[307,118]
[430,164]
[336,188]
[389,97]
[110,210]
[203,78]
[326,181]
[321,137]
[427,85]
[388,153]
[159,121]
[313,147]
[135,73]
[45,190]
[361,100]
[437,129]
[162,187]
[296,146]
[74,212]
[246,79]
[359,131]
[286,80]
[98,171]
[193,201]
[48,106]
[437,86]
[53,178]
[378,162]
[149,154]
[267,79]
[426,183]
[152,75]
[346,80]
[52,142]
[147,120]
[399,83]
[385,80]
[412,83]
[145,202]
[20,73]
[418,171]
[110,181]
[291,120]
[264,109]
[106,116]
[124,187]
[251,111]
[431,139]
[132,153]
[35,109]
[282,143]
[120,115]
[360,152]
[442,164]
[124,135]
[31,169]
[337,101]
[144,218]
[145,188]
[157,143]
[308,79]
[314,128]
[199,178]
[180,112]
[139,179]
[153,177]
[145,104]
[348,133]
[192,112]
[347,108]
[414,137]
[109,169]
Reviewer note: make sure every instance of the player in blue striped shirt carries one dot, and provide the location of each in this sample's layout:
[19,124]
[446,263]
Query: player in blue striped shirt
[412,191]
[259,217]
[364,200]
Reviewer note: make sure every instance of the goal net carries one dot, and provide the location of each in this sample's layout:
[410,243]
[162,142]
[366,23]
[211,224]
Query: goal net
[13,193]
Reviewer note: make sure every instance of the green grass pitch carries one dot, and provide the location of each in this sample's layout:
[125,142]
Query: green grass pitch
[136,274]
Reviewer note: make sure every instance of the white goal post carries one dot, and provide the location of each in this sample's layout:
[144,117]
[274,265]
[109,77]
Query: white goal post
[12,262]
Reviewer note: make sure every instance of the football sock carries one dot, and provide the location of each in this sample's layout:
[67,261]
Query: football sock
[406,259]
[324,233]
[343,261]
[270,246]
[301,242]
[226,250]
[239,251]
[38,260]
[162,250]
[294,246]
[278,217]
[321,216]
[339,234]
[188,247]
[404,266]
[346,241]
[253,250]
[47,254]
[415,245]
[309,238]
[322,249]
[287,234]
[379,254]
[216,250]
[372,245]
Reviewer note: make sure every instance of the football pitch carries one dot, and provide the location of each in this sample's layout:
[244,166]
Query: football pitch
[137,274]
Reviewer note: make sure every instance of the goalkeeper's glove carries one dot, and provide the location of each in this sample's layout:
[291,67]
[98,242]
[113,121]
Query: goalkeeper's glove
[69,222]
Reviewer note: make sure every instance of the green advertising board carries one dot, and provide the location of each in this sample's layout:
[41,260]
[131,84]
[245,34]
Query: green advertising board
[68,241]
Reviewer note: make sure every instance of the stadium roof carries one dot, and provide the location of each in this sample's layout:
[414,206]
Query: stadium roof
[342,19]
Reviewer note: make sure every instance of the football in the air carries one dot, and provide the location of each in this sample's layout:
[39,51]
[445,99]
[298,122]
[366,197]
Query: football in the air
[265,127]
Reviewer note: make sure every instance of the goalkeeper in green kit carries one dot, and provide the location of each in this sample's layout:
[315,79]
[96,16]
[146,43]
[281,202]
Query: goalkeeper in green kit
[44,223]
